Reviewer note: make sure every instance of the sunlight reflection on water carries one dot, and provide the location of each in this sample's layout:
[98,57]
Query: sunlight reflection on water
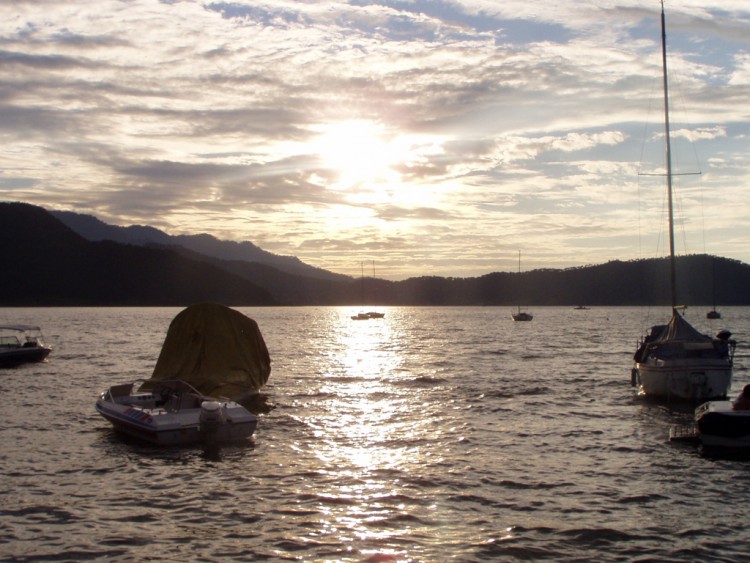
[431,434]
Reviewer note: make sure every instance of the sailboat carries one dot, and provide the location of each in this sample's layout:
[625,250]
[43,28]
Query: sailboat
[521,315]
[370,314]
[713,313]
[375,314]
[675,360]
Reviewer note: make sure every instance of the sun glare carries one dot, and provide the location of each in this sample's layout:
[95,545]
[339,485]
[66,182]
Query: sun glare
[359,151]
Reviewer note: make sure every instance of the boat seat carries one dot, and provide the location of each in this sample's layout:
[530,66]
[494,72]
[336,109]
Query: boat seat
[183,401]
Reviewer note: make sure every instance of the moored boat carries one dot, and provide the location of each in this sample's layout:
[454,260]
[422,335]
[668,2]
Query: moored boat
[675,361]
[174,413]
[721,425]
[21,344]
[521,315]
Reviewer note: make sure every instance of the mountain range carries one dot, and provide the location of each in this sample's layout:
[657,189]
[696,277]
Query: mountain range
[61,258]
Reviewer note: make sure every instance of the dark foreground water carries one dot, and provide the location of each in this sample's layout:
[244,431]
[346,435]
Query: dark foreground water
[433,434]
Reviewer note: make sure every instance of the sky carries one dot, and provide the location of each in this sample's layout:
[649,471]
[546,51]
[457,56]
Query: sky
[416,137]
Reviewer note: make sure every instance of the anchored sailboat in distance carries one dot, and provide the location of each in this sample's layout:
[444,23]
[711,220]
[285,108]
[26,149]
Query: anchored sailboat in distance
[713,313]
[521,315]
[370,314]
[675,360]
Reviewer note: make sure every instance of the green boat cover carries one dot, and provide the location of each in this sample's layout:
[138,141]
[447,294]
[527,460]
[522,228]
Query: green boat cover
[218,350]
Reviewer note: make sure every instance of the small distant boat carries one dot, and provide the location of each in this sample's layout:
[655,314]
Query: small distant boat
[367,316]
[174,413]
[21,344]
[581,308]
[521,315]
[370,314]
[713,313]
[676,361]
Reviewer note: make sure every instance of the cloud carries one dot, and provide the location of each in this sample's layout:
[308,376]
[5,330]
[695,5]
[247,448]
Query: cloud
[506,121]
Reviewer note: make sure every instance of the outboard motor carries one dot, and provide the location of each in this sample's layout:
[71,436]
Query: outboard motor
[727,345]
[724,335]
[211,419]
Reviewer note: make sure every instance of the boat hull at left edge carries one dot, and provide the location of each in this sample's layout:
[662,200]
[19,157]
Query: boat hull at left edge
[175,416]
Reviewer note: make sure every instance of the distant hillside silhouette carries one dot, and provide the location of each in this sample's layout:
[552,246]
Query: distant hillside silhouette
[47,263]
[93,229]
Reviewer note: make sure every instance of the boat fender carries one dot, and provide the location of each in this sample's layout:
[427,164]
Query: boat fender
[634,377]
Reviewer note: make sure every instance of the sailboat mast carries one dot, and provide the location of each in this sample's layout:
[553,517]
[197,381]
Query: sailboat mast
[672,265]
[519,277]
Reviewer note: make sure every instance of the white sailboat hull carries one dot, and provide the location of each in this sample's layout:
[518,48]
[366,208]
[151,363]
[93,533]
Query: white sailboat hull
[690,379]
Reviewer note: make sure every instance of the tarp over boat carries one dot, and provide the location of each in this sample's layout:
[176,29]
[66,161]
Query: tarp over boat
[218,350]
[680,338]
[679,330]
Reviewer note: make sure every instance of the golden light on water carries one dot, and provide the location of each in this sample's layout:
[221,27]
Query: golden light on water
[364,433]
[362,424]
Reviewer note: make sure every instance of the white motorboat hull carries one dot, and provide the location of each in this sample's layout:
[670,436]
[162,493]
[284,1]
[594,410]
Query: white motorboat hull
[192,420]
[686,380]
[720,426]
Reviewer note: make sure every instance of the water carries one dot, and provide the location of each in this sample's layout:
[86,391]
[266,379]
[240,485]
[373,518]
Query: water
[433,434]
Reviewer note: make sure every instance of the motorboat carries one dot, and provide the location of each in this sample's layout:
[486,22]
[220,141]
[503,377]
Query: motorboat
[174,413]
[21,344]
[721,425]
[675,361]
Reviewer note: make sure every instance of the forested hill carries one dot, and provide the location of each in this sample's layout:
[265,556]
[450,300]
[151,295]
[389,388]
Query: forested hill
[46,263]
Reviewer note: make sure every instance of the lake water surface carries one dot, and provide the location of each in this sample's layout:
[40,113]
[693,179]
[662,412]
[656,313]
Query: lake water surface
[434,434]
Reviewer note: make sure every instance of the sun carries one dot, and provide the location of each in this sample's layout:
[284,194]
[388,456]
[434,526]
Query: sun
[359,152]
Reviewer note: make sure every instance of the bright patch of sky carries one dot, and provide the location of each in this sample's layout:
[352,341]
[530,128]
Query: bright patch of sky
[433,137]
